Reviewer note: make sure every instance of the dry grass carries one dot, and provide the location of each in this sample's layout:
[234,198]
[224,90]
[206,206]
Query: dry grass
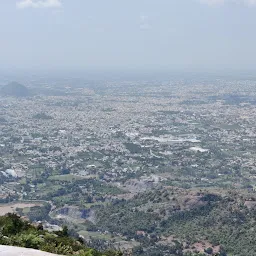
[11,208]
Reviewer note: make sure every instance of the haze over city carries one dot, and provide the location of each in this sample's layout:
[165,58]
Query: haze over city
[146,34]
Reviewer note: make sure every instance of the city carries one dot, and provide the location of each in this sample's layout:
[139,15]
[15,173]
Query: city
[67,155]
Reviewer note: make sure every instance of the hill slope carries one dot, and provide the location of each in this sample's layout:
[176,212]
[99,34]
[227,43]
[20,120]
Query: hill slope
[184,222]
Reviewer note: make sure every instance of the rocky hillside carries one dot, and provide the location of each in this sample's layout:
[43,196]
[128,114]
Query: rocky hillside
[182,222]
[17,251]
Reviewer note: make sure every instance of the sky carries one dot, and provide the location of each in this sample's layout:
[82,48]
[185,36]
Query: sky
[128,34]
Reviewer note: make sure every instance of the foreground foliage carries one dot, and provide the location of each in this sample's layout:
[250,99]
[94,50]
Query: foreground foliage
[16,232]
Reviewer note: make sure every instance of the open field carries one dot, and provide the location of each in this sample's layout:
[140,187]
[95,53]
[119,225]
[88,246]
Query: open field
[67,177]
[11,208]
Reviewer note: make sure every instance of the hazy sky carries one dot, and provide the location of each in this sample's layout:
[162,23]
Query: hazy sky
[132,34]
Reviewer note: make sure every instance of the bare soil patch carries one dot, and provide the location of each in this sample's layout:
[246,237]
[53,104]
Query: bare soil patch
[11,208]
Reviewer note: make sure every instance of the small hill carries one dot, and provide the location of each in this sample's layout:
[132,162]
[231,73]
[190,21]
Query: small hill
[15,89]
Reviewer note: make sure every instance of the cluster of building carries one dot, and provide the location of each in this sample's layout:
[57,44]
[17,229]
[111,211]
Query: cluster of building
[184,133]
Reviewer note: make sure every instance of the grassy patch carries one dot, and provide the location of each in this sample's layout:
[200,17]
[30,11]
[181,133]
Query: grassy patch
[67,177]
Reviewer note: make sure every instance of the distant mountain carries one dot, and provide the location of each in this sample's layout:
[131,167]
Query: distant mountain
[15,89]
